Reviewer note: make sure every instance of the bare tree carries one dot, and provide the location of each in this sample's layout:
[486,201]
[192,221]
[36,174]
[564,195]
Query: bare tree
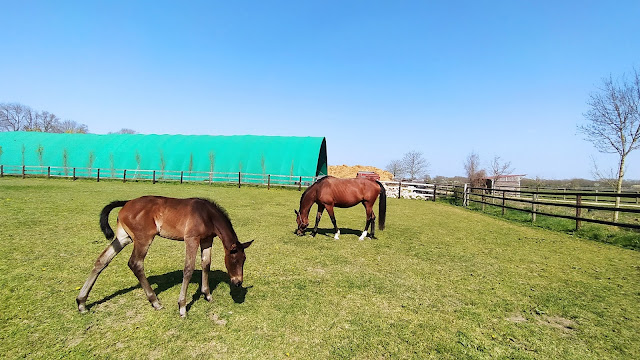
[49,122]
[396,168]
[30,120]
[125,131]
[72,127]
[13,116]
[499,169]
[613,121]
[475,174]
[415,165]
[18,117]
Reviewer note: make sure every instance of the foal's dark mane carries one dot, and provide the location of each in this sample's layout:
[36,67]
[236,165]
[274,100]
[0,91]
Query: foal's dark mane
[225,215]
[310,187]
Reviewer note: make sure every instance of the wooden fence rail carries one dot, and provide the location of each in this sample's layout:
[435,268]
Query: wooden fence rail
[157,175]
[573,205]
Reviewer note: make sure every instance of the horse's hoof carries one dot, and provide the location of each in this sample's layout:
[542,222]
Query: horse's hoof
[82,309]
[183,312]
[208,297]
[156,305]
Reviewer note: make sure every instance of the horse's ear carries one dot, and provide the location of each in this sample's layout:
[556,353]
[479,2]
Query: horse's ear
[247,244]
[296,211]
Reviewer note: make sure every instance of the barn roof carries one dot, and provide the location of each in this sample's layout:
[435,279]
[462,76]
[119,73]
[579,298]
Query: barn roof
[252,154]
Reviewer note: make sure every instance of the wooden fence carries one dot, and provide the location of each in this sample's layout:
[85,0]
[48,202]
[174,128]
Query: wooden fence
[579,206]
[157,175]
[422,191]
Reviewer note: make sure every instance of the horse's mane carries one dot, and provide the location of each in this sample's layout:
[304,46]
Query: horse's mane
[310,187]
[219,209]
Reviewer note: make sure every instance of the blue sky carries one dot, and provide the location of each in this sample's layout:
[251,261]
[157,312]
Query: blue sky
[376,78]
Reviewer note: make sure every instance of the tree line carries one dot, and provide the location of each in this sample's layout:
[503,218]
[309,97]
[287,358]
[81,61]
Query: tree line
[19,117]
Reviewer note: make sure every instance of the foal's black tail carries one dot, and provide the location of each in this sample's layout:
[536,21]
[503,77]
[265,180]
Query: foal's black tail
[382,206]
[104,218]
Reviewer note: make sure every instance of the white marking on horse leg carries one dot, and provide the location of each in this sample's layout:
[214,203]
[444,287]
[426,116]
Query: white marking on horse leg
[122,235]
[364,234]
[103,260]
[337,236]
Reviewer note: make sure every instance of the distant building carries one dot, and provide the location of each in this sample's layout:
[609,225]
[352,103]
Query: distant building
[504,182]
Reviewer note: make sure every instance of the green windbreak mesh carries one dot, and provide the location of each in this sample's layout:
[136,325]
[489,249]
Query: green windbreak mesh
[277,155]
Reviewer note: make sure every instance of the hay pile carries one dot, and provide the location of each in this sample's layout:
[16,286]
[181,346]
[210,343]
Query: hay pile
[345,171]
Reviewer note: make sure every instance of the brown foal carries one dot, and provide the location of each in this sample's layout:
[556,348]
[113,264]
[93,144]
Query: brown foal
[194,221]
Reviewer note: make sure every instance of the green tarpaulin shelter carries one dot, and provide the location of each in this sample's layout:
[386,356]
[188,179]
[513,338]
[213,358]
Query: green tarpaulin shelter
[275,155]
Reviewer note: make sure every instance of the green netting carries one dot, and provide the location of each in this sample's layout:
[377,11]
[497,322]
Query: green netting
[276,155]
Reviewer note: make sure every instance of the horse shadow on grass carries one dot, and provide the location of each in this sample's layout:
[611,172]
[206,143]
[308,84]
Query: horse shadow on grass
[331,232]
[163,282]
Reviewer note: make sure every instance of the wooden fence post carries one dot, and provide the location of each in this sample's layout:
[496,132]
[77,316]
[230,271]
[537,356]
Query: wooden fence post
[1,170]
[300,184]
[465,198]
[153,181]
[578,211]
[503,202]
[74,174]
[434,192]
[399,187]
[48,172]
[269,182]
[124,175]
[534,207]
[181,176]
[98,176]
[239,179]
[482,198]
[23,171]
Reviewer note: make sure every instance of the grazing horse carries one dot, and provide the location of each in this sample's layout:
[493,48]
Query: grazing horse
[194,221]
[330,192]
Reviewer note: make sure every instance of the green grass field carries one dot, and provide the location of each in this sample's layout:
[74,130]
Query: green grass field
[440,282]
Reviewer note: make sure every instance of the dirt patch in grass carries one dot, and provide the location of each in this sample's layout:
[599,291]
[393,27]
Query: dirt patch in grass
[517,318]
[558,322]
[218,321]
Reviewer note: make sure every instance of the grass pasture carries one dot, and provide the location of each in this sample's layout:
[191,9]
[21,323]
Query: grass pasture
[440,282]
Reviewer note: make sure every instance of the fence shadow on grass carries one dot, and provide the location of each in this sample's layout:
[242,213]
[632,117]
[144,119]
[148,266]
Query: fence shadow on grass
[163,282]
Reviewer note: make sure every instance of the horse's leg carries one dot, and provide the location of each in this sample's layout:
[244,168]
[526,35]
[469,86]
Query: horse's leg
[191,250]
[371,221]
[205,247]
[101,263]
[333,220]
[136,264]
[318,216]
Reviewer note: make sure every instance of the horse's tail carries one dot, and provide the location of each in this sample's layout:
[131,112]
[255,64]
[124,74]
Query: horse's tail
[104,218]
[382,206]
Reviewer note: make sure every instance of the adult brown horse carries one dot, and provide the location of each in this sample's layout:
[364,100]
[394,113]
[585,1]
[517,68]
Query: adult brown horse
[330,192]
[194,221]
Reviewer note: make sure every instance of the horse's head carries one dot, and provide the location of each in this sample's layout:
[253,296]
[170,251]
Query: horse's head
[302,221]
[234,260]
